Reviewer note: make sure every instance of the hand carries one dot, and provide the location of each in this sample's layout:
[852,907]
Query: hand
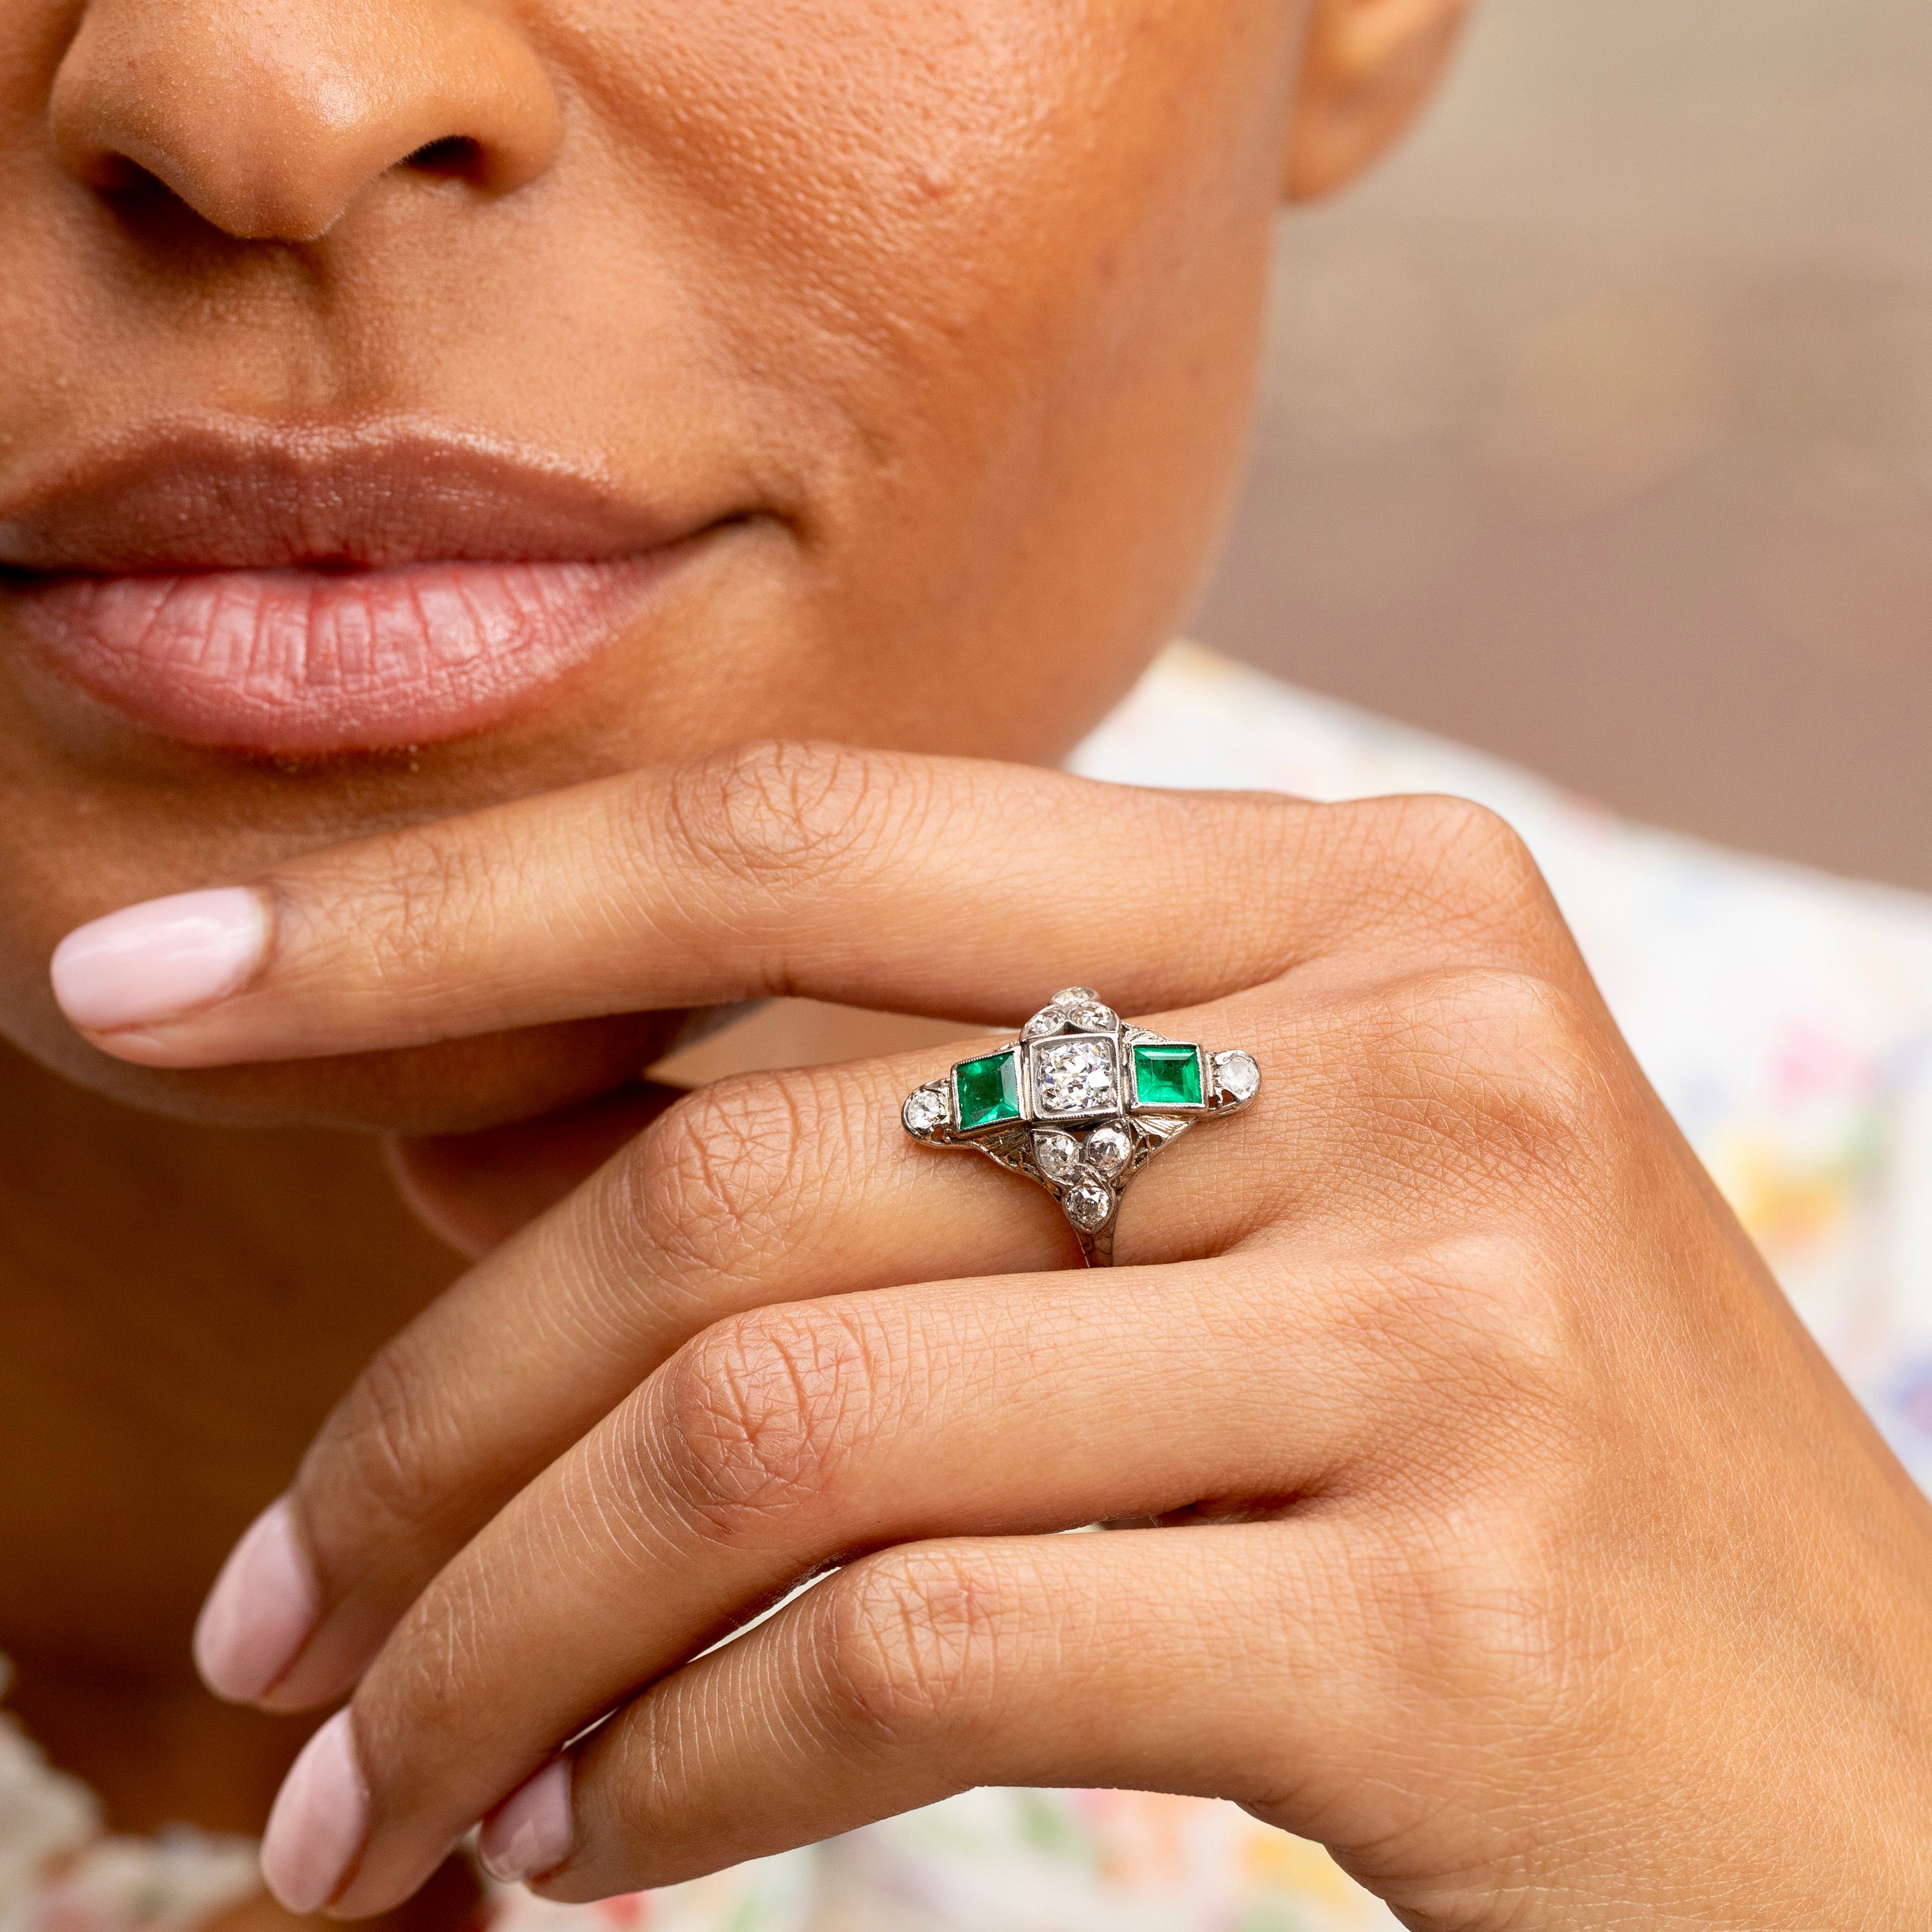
[1519,1546]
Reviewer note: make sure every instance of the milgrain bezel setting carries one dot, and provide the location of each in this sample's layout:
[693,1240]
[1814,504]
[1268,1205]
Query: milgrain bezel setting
[1085,1158]
[1108,1044]
[992,1122]
[1138,1038]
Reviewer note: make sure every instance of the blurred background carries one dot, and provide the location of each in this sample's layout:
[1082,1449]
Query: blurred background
[1598,425]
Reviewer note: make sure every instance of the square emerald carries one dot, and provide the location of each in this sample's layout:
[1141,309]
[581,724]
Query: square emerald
[1167,1076]
[988,1090]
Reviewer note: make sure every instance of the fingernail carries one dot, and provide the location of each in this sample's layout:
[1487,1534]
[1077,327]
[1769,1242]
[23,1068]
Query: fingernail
[320,1820]
[261,1611]
[530,1833]
[160,961]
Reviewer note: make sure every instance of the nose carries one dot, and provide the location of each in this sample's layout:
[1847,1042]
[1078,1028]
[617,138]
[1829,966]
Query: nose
[269,118]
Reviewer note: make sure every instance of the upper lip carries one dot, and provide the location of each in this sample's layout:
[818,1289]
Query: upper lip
[229,496]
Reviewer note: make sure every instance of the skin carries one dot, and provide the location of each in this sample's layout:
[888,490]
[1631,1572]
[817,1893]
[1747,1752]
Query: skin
[648,300]
[793,307]
[1514,1529]
[1513,1614]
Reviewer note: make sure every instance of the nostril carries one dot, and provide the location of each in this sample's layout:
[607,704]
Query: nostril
[453,155]
[247,128]
[135,195]
[114,173]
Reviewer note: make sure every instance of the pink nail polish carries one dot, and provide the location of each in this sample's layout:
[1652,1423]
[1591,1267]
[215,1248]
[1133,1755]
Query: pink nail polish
[531,1832]
[159,961]
[261,1611]
[321,1818]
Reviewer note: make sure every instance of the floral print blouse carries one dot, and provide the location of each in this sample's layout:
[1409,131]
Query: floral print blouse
[1786,1019]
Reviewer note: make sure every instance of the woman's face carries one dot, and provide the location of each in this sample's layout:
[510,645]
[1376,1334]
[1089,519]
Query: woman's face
[409,407]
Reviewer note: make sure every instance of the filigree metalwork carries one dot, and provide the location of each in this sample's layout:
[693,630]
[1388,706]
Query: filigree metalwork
[1079,1103]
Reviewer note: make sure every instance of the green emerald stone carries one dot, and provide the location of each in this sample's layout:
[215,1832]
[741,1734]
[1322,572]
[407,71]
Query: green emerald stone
[988,1090]
[1167,1076]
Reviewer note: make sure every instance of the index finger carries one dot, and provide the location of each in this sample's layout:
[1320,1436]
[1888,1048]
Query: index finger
[944,887]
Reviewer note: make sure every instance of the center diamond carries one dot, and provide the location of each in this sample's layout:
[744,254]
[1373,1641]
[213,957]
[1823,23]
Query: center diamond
[1071,1077]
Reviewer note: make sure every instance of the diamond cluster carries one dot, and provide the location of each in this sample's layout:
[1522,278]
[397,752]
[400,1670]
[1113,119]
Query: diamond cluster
[1084,1169]
[1086,1196]
[1079,1101]
[1076,1076]
[1079,1009]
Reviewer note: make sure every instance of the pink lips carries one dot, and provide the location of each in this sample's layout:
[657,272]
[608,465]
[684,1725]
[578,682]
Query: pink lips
[328,591]
[306,661]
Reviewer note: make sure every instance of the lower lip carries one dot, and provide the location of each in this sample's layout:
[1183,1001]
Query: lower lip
[308,662]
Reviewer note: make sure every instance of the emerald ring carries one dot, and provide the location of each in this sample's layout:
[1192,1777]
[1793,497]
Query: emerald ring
[1080,1103]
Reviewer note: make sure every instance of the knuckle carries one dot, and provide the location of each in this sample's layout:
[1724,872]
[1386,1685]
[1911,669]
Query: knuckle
[1482,1599]
[909,1641]
[1455,864]
[1507,1063]
[758,1415]
[379,1461]
[769,813]
[398,908]
[408,1705]
[1479,847]
[718,1181]
[428,877]
[1485,1311]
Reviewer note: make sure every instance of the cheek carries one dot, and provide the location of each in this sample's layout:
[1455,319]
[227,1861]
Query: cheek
[996,271]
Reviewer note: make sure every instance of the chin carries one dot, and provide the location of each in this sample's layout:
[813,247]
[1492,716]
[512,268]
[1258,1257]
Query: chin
[452,1087]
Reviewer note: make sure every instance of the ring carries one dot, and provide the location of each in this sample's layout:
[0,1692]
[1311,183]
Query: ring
[1081,1102]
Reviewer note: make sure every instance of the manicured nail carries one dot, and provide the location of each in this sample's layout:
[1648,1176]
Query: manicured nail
[321,1818]
[530,1833]
[260,1612]
[147,964]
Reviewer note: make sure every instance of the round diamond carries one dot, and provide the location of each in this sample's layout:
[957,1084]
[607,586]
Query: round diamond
[923,1111]
[1048,1021]
[1076,996]
[1075,1076]
[1088,1205]
[1058,1155]
[1237,1075]
[1109,1150]
[1095,1017]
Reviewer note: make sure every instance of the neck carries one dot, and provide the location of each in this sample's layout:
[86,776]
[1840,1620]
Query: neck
[182,1307]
